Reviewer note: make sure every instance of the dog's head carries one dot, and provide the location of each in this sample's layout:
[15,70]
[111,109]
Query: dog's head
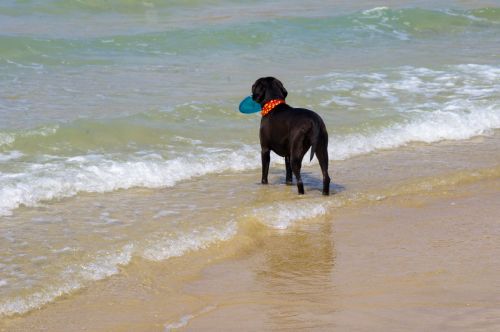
[268,88]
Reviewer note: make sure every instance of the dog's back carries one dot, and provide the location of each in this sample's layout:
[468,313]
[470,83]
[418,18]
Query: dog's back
[286,129]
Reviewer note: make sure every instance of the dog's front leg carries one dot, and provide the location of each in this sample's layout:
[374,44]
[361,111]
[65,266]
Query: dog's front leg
[266,158]
[289,179]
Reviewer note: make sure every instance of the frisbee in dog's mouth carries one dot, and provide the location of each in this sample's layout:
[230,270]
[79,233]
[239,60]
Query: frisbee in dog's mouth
[248,105]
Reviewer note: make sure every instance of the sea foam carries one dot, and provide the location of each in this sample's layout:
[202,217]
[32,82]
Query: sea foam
[74,277]
[106,264]
[284,215]
[428,128]
[167,247]
[452,103]
[66,177]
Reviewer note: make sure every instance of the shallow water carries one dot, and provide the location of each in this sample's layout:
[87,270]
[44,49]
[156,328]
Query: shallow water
[120,138]
[413,263]
[421,216]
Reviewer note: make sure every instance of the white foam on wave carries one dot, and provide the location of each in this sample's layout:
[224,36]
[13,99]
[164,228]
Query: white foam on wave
[457,120]
[108,263]
[428,128]
[376,10]
[400,87]
[7,138]
[457,102]
[12,155]
[454,103]
[176,246]
[72,278]
[20,305]
[284,215]
[65,177]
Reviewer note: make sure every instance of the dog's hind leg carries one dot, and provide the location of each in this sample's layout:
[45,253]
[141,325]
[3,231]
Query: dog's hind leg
[266,158]
[289,179]
[296,166]
[322,155]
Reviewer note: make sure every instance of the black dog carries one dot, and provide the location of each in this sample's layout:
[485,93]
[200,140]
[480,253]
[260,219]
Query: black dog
[289,132]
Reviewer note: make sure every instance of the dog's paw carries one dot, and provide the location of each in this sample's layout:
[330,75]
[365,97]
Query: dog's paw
[300,187]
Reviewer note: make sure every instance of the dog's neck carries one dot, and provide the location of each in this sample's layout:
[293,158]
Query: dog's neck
[270,105]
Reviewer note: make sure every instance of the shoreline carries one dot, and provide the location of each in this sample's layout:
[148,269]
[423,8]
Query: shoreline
[414,263]
[154,295]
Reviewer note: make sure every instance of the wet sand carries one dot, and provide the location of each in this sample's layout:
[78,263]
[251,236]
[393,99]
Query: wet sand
[417,247]
[413,264]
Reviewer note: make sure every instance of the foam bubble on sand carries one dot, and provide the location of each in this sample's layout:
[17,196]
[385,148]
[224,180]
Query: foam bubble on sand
[184,320]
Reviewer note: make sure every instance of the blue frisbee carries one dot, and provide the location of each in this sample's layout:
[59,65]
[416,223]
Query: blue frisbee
[248,105]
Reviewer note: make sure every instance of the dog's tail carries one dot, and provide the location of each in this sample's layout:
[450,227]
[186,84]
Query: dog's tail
[314,139]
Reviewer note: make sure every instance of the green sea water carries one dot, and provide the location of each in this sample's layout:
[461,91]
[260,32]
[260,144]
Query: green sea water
[108,98]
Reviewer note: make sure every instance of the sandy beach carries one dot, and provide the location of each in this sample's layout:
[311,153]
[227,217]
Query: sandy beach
[418,264]
[422,255]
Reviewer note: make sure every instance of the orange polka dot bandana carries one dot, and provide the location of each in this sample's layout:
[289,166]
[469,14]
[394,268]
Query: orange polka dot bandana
[270,105]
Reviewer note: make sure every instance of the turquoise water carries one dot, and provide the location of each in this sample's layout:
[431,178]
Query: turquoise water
[101,97]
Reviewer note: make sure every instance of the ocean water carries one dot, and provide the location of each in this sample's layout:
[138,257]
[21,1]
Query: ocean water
[120,136]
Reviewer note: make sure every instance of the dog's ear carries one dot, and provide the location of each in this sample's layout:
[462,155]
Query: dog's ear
[258,91]
[279,86]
